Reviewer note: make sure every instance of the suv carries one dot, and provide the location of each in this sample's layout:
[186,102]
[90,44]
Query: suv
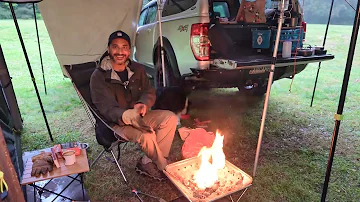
[205,45]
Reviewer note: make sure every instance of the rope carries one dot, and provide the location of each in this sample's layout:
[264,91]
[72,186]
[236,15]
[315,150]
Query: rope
[298,42]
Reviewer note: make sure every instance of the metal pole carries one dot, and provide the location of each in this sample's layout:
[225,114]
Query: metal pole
[338,116]
[318,70]
[38,39]
[161,42]
[30,70]
[271,75]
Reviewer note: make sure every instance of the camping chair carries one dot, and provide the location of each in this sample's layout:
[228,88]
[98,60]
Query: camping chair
[107,137]
[80,76]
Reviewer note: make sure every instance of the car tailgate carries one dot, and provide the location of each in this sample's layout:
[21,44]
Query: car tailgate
[250,62]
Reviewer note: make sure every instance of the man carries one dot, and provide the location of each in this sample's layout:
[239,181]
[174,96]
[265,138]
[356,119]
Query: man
[122,93]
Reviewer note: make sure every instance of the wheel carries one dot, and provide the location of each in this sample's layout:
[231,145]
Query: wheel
[170,78]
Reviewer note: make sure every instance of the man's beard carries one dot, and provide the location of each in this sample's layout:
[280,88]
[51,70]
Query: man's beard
[112,57]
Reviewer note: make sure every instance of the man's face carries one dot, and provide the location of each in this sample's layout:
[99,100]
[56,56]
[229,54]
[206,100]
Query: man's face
[119,51]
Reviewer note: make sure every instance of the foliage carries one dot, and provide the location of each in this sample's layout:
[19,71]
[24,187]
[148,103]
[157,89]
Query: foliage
[317,12]
[22,11]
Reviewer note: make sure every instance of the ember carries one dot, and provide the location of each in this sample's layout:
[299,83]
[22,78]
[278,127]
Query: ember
[208,176]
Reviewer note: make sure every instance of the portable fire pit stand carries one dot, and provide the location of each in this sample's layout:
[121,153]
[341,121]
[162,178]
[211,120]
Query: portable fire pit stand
[231,180]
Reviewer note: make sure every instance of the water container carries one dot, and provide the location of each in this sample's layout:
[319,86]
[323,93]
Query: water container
[286,50]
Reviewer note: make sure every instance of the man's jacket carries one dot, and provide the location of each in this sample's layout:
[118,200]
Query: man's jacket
[112,97]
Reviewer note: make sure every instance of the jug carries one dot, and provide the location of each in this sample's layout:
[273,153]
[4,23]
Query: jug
[286,49]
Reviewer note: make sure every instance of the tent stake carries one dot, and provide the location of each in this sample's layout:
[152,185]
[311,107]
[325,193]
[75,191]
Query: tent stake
[340,109]
[271,75]
[318,70]
[38,39]
[30,70]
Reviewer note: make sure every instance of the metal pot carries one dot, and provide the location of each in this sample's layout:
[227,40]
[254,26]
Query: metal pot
[305,52]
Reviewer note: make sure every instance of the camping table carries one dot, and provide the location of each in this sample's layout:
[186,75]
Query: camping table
[81,166]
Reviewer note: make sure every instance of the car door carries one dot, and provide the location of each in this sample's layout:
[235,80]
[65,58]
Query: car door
[145,36]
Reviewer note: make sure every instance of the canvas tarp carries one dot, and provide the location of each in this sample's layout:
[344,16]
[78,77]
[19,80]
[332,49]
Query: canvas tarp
[79,29]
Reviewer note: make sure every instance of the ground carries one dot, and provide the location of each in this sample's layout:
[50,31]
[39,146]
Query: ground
[296,140]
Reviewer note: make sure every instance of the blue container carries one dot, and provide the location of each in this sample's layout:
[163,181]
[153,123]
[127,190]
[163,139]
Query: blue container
[296,36]
[261,38]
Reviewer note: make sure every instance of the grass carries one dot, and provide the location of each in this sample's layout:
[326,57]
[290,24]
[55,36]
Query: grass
[296,139]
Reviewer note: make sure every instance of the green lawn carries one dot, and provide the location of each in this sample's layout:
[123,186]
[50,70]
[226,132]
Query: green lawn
[296,139]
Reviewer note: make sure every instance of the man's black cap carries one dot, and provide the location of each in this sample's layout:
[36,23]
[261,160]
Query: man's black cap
[119,34]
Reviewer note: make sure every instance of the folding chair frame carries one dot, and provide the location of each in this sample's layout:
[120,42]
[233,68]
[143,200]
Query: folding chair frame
[114,144]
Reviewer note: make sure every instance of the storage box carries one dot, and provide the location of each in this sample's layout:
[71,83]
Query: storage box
[261,38]
[296,36]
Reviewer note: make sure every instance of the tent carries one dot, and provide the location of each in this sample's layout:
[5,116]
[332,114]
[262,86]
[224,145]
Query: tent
[84,39]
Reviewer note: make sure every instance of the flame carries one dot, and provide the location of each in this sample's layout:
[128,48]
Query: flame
[212,159]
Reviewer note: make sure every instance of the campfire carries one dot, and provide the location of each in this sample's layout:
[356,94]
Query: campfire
[209,176]
[212,160]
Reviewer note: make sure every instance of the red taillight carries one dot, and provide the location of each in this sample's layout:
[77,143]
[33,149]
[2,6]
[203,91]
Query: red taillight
[303,24]
[199,41]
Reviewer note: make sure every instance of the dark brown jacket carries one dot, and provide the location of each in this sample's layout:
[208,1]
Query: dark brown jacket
[112,97]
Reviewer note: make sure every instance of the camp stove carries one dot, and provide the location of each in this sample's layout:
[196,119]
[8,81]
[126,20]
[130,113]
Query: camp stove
[231,179]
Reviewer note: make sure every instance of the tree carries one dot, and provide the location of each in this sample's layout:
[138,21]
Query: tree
[318,11]
[22,11]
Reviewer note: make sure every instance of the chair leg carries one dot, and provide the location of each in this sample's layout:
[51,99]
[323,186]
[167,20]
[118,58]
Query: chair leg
[112,153]
[97,158]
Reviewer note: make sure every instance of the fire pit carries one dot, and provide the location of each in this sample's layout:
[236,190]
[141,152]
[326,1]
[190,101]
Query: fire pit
[230,180]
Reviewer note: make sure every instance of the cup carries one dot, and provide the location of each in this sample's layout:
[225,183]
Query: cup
[69,156]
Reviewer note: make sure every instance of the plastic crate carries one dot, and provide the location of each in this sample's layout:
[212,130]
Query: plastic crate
[296,36]
[261,38]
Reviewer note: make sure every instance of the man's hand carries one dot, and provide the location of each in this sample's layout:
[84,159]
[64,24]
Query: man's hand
[141,108]
[132,117]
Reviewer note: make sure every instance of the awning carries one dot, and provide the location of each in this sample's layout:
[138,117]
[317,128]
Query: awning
[79,29]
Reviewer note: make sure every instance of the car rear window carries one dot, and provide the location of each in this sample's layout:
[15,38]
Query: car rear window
[172,7]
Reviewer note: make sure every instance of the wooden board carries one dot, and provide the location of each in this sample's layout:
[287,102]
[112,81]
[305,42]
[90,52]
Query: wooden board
[81,165]
[14,193]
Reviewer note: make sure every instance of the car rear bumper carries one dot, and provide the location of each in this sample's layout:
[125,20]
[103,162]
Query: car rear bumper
[230,73]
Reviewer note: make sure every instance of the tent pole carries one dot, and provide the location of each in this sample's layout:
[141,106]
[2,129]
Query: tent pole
[271,75]
[159,6]
[30,70]
[318,70]
[38,39]
[339,116]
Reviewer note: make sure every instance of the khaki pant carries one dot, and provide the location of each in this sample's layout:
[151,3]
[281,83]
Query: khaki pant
[155,145]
